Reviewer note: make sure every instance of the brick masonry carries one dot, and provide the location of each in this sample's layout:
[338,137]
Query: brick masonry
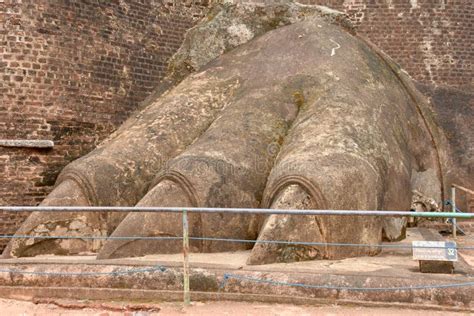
[72,71]
[432,40]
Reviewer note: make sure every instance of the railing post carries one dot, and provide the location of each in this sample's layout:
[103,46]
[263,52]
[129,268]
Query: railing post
[186,294]
[453,197]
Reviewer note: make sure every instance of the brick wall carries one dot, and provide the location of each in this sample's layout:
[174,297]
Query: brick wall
[430,39]
[72,71]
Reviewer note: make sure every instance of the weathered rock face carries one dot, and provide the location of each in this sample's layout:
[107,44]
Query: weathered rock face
[228,26]
[286,109]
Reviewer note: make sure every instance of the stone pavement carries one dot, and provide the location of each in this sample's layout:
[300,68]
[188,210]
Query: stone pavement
[225,276]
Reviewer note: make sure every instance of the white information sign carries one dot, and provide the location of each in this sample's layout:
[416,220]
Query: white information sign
[435,250]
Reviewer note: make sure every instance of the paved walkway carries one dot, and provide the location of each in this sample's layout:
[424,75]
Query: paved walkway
[221,276]
[76,308]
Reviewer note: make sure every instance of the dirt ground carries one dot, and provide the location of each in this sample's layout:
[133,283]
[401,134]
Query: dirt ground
[75,308]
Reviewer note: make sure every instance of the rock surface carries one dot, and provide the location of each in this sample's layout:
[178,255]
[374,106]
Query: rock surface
[281,107]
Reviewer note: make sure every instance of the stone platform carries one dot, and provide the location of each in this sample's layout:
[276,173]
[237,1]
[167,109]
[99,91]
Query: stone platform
[225,276]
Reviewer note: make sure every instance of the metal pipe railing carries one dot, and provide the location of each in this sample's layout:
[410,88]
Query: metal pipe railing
[186,210]
[453,204]
[462,189]
[127,209]
[186,293]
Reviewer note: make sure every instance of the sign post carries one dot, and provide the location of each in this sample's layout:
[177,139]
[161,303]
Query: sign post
[435,256]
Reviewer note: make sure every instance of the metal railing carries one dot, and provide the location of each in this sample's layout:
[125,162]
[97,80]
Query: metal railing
[453,204]
[153,209]
[185,238]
